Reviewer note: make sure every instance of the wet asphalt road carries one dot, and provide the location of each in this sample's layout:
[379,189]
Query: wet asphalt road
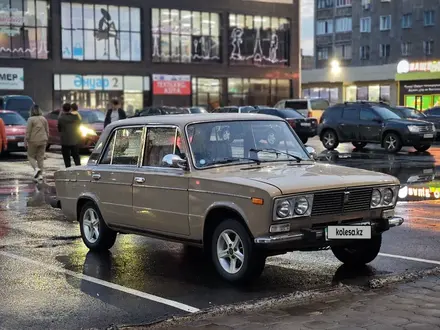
[49,280]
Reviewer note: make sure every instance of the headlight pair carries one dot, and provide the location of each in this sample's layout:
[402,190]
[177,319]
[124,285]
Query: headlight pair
[384,197]
[293,207]
[85,131]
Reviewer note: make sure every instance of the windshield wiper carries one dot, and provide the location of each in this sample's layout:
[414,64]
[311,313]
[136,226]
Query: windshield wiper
[277,152]
[236,159]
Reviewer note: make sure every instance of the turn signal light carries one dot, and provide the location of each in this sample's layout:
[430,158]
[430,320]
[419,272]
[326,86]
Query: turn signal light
[257,201]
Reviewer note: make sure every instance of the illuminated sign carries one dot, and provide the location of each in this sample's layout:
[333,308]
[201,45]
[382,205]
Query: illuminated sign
[406,67]
[423,192]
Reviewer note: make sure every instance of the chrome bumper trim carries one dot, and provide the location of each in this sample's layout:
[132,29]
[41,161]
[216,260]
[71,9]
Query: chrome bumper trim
[295,236]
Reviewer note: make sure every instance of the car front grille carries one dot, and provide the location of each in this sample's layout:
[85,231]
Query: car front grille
[332,202]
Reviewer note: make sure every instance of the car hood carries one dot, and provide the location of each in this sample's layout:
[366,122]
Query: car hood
[290,179]
[408,121]
[12,130]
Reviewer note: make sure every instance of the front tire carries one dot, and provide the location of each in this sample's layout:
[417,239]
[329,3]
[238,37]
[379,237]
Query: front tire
[392,143]
[234,254]
[359,145]
[422,148]
[358,253]
[94,231]
[330,139]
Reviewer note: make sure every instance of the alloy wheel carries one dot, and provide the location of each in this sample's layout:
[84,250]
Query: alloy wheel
[329,140]
[90,225]
[391,142]
[230,251]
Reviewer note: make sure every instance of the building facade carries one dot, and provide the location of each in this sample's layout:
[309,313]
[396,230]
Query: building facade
[376,32]
[187,52]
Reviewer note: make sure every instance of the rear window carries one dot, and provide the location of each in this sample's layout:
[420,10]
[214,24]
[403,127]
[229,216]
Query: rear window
[289,113]
[19,104]
[297,105]
[319,104]
[12,118]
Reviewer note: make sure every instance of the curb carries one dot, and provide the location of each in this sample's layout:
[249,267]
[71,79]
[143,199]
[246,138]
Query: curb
[292,299]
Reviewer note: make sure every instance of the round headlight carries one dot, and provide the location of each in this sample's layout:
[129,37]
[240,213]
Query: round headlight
[387,196]
[283,209]
[301,205]
[376,197]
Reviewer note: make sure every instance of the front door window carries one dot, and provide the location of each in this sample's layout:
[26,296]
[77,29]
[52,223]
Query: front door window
[161,141]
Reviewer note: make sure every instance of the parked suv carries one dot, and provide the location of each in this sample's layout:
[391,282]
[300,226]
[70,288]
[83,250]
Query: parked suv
[411,113]
[234,109]
[366,122]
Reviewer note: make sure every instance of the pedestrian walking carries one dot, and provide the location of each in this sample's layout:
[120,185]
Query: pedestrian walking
[3,139]
[37,135]
[68,126]
[115,113]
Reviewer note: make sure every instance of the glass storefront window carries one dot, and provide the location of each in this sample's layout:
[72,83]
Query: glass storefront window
[257,91]
[350,93]
[374,93]
[259,40]
[96,91]
[24,29]
[182,36]
[100,32]
[329,94]
[362,93]
[385,93]
[206,92]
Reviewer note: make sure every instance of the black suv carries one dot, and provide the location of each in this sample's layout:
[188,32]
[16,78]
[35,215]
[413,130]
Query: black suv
[367,122]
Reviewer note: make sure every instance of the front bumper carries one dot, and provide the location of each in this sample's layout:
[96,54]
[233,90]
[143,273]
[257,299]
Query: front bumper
[16,145]
[316,237]
[419,139]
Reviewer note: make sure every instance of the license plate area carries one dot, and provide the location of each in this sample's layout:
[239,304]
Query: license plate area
[428,136]
[20,144]
[341,232]
[306,124]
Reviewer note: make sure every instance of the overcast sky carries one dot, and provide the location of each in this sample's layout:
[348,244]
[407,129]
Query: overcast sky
[307,26]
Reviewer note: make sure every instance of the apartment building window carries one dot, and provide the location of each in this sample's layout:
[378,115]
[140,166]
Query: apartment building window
[364,52]
[384,50]
[323,53]
[325,4]
[385,23]
[365,24]
[343,52]
[343,3]
[366,4]
[343,24]
[429,17]
[324,27]
[428,47]
[406,48]
[406,21]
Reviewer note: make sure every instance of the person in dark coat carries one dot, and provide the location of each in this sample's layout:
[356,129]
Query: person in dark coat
[68,126]
[114,114]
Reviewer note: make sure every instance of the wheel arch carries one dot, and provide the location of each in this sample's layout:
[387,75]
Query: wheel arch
[83,200]
[219,212]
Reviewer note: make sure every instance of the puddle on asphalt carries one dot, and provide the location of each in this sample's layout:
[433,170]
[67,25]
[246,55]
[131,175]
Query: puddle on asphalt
[25,193]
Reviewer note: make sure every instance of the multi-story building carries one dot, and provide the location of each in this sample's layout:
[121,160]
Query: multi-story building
[372,36]
[170,52]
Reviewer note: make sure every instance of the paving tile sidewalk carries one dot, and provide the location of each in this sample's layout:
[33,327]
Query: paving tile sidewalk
[413,305]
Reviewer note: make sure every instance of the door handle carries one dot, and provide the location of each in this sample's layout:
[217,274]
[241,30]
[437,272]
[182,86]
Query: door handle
[96,176]
[139,179]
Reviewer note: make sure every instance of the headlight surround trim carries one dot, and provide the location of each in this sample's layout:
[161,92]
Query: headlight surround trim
[292,200]
[382,204]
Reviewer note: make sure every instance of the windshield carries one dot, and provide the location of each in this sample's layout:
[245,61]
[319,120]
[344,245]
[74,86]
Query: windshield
[385,113]
[175,111]
[198,110]
[231,142]
[92,117]
[12,118]
[319,104]
[19,104]
[411,113]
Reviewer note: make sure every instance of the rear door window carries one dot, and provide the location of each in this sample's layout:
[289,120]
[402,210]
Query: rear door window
[351,114]
[367,115]
[297,105]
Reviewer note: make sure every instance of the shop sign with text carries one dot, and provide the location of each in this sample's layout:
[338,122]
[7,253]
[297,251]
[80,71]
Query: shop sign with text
[171,84]
[11,78]
[426,66]
[91,82]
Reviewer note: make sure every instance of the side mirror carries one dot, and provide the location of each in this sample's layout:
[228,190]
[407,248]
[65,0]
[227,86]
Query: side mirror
[174,161]
[312,152]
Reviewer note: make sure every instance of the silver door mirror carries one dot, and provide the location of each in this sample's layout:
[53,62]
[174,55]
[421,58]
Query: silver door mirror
[174,161]
[312,152]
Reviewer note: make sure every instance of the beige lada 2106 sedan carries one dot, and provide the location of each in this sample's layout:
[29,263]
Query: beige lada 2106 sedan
[212,181]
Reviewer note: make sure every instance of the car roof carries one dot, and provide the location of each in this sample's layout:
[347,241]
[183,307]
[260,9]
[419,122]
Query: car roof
[184,119]
[7,111]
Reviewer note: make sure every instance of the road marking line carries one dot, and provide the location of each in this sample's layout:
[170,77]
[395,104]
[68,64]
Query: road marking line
[117,287]
[433,262]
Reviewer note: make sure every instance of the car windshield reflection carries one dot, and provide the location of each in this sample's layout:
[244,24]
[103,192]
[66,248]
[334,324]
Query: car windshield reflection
[237,142]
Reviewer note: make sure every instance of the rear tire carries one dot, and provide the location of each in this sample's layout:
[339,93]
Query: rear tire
[358,253]
[359,145]
[330,139]
[422,148]
[392,143]
[234,254]
[96,235]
